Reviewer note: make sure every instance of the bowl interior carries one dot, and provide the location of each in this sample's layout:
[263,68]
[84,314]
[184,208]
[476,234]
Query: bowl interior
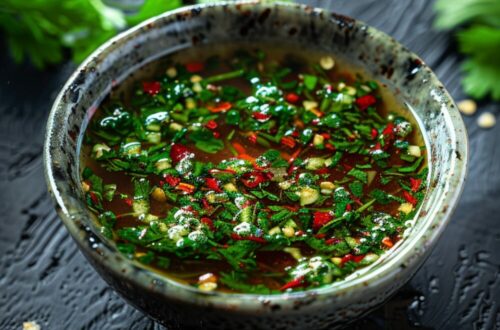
[293,26]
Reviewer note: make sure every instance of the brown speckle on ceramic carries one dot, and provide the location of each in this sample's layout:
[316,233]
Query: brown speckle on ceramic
[176,305]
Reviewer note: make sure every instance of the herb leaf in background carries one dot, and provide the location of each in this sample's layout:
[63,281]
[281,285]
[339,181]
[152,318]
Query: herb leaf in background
[479,40]
[152,8]
[482,44]
[42,30]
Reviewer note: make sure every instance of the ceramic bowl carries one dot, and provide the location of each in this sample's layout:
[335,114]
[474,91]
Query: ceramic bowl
[306,28]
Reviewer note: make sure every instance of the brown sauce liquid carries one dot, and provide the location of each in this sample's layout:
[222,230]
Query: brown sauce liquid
[271,264]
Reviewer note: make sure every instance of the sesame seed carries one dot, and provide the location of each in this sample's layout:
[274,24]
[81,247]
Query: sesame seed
[327,62]
[171,72]
[195,78]
[486,120]
[467,107]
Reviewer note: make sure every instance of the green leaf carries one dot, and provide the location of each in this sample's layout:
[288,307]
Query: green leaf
[340,248]
[239,282]
[356,188]
[141,189]
[310,81]
[358,174]
[453,13]
[205,141]
[342,199]
[480,41]
[482,68]
[140,235]
[152,8]
[42,30]
[413,167]
[239,253]
[383,197]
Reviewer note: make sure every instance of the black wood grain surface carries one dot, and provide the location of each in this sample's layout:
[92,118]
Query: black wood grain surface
[44,278]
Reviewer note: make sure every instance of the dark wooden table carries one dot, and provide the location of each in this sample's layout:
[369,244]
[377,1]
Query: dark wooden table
[43,277]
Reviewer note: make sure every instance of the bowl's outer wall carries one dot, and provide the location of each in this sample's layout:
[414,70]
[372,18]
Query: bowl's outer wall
[300,27]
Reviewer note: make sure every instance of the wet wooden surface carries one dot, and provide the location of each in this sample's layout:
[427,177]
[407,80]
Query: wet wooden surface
[43,277]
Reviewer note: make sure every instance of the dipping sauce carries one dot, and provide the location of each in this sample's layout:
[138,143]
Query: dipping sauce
[253,171]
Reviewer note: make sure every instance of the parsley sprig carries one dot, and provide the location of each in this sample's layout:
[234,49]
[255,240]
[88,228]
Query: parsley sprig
[44,30]
[479,40]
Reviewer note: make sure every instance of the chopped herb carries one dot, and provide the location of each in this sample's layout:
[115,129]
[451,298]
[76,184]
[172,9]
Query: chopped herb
[271,185]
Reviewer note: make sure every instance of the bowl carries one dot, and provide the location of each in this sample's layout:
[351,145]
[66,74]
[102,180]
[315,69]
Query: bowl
[179,306]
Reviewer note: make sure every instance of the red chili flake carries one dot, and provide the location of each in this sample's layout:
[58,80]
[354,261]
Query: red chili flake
[261,116]
[253,238]
[332,241]
[296,282]
[178,152]
[389,129]
[357,200]
[409,198]
[186,187]
[348,207]
[291,208]
[220,107]
[172,180]
[365,101]
[292,98]
[213,184]
[252,138]
[211,124]
[205,203]
[151,87]
[216,135]
[187,208]
[288,141]
[246,204]
[208,222]
[292,169]
[320,219]
[326,136]
[94,197]
[415,184]
[377,146]
[269,175]
[329,146]
[387,241]
[299,233]
[295,134]
[252,179]
[320,236]
[374,133]
[128,201]
[347,167]
[257,239]
[358,258]
[348,257]
[324,170]
[194,67]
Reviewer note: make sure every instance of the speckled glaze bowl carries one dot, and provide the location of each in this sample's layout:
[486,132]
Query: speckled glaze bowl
[305,28]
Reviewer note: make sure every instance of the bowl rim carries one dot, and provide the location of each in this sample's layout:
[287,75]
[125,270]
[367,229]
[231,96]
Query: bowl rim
[387,271]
